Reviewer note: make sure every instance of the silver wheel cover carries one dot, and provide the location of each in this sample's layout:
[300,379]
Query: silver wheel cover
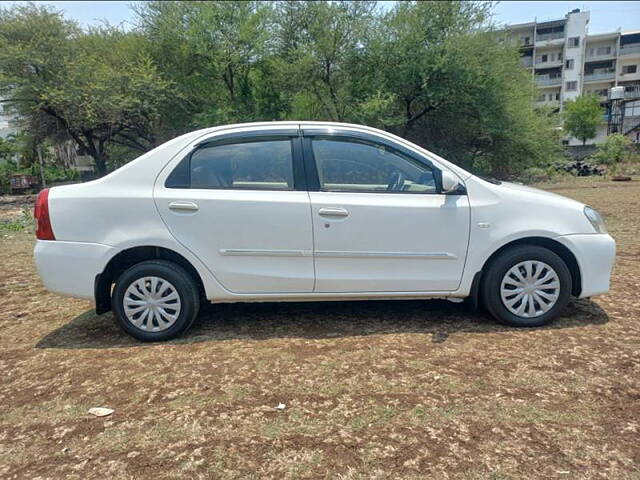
[530,289]
[151,304]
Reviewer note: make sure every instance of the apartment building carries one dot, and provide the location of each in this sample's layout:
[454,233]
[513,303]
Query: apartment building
[566,62]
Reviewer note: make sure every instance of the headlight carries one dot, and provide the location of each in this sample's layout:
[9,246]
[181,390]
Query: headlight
[595,219]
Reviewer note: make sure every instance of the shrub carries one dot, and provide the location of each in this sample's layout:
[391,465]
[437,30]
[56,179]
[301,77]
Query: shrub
[616,149]
[25,223]
[534,175]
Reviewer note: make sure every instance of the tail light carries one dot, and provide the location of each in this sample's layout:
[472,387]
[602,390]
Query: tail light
[41,214]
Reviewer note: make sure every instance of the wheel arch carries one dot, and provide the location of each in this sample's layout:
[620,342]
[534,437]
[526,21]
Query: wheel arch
[556,247]
[129,257]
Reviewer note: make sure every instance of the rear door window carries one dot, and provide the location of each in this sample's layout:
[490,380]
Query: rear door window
[257,165]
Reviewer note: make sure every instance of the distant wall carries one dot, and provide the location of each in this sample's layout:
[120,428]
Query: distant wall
[579,152]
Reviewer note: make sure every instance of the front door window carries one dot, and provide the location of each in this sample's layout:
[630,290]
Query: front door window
[351,165]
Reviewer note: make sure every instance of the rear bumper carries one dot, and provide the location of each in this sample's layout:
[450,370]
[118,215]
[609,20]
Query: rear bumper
[595,254]
[70,268]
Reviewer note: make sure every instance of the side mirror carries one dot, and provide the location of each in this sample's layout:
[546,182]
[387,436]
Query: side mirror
[450,183]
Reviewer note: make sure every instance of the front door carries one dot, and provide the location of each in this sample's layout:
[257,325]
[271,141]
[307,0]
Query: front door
[380,224]
[234,205]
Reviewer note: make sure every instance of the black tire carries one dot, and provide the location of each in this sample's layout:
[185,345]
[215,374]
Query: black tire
[492,280]
[184,285]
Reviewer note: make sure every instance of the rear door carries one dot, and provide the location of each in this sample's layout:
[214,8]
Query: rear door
[238,203]
[381,223]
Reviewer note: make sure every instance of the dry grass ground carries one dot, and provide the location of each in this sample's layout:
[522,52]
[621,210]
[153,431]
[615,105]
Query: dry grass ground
[373,390]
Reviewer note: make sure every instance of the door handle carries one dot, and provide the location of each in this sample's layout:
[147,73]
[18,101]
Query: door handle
[333,212]
[184,206]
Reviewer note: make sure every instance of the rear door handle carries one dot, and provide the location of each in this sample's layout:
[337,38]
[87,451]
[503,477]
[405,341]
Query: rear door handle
[333,212]
[184,206]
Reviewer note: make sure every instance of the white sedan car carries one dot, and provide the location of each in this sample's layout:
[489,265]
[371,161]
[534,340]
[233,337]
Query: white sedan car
[311,211]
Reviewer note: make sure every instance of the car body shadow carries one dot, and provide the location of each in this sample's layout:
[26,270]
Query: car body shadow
[314,320]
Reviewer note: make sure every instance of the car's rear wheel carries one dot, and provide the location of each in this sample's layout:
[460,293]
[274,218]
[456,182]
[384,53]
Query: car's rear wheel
[155,300]
[526,286]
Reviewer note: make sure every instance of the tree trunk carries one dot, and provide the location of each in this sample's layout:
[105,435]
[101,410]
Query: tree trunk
[41,162]
[100,159]
[96,152]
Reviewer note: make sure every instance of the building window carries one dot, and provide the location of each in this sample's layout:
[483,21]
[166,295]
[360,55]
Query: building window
[544,58]
[541,97]
[603,51]
[626,69]
[569,64]
[632,109]
[574,42]
[558,96]
[571,86]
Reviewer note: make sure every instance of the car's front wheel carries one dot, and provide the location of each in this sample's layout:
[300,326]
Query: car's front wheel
[155,300]
[526,286]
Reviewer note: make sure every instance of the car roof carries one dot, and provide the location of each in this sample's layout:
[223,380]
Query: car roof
[174,146]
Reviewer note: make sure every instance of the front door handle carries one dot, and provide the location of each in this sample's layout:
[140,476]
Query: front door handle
[333,212]
[184,206]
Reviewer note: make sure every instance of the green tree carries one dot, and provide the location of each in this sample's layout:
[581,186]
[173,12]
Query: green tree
[582,117]
[8,148]
[430,71]
[616,149]
[95,87]
[460,92]
[321,49]
[214,53]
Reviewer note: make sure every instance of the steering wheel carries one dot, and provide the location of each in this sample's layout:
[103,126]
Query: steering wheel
[396,182]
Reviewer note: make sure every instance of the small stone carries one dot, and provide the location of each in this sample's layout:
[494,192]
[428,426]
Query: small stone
[101,411]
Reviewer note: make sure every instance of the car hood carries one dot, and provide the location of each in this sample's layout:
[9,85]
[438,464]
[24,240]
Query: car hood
[520,189]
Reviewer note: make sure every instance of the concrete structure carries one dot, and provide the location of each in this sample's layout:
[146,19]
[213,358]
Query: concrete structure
[567,62]
[6,128]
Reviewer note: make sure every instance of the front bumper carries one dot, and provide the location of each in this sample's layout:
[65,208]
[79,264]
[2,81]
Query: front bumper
[70,268]
[595,254]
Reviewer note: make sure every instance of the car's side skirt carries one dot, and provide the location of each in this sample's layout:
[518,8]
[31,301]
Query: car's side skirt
[324,296]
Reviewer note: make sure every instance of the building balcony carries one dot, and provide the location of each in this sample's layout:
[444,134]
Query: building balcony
[545,80]
[606,56]
[626,77]
[526,62]
[630,49]
[632,92]
[600,75]
[603,98]
[547,103]
[545,37]
[551,64]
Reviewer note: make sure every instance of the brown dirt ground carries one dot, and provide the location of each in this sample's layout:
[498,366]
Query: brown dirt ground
[375,390]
